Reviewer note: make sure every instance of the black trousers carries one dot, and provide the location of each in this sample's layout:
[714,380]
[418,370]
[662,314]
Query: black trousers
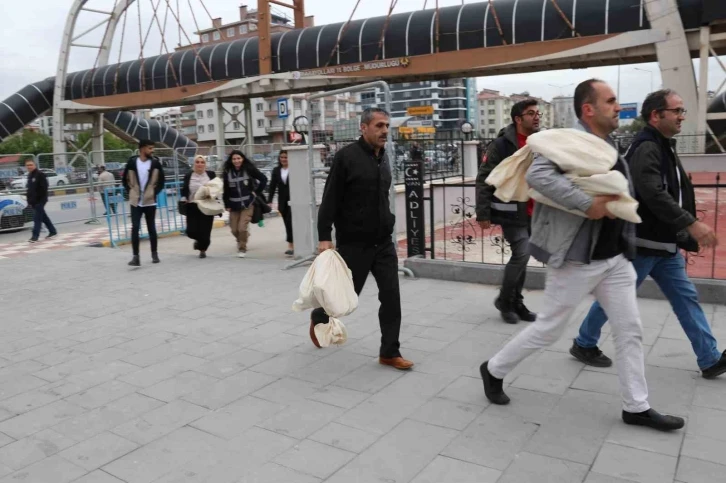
[515,272]
[287,219]
[199,226]
[148,212]
[382,261]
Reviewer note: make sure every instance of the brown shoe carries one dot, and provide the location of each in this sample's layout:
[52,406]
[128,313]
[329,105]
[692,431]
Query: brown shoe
[312,335]
[398,362]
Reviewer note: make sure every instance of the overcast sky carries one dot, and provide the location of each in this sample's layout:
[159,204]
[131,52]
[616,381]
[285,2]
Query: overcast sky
[32,32]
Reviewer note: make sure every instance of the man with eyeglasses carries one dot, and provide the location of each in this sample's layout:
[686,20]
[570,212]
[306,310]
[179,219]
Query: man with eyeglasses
[668,210]
[514,217]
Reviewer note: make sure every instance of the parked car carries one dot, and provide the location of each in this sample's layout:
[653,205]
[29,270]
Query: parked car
[14,212]
[54,180]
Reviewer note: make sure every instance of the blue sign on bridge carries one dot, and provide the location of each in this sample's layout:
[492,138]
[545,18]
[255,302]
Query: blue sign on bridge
[629,111]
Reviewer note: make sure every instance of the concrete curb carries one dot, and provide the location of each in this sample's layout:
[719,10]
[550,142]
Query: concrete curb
[216,224]
[709,291]
[66,191]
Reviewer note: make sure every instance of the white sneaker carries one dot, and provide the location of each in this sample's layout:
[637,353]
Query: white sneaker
[241,254]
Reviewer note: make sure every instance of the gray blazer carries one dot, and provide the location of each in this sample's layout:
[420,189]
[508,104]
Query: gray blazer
[558,236]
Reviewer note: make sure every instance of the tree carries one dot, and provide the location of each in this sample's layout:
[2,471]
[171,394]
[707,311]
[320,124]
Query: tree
[110,142]
[27,142]
[635,126]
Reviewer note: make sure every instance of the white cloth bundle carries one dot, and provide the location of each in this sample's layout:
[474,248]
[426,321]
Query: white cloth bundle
[584,158]
[207,198]
[328,283]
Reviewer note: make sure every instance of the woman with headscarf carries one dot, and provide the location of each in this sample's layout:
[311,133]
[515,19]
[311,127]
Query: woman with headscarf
[279,180]
[199,225]
[243,182]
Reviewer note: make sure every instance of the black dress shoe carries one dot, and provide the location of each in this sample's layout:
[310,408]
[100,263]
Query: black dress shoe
[493,386]
[135,262]
[717,369]
[653,419]
[592,356]
[155,257]
[507,311]
[202,254]
[524,313]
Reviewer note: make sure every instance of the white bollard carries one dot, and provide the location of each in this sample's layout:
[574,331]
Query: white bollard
[302,199]
[471,163]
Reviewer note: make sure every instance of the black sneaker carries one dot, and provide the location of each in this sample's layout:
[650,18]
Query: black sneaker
[592,356]
[493,386]
[52,235]
[524,313]
[202,254]
[155,257]
[715,370]
[653,419]
[33,240]
[135,262]
[508,314]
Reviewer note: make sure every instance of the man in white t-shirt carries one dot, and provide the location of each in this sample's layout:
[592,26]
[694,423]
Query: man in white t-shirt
[143,179]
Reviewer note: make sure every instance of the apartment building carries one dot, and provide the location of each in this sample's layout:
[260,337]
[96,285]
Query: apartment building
[495,111]
[451,100]
[171,117]
[564,111]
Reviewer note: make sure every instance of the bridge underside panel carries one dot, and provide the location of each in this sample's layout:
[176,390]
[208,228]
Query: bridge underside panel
[420,32]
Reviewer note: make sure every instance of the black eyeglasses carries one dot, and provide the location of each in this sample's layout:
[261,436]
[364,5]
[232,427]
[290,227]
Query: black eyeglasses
[679,111]
[533,113]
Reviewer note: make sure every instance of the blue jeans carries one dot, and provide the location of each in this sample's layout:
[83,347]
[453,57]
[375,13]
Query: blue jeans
[670,275]
[40,217]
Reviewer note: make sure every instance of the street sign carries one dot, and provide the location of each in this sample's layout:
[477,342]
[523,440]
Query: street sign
[629,111]
[282,109]
[420,111]
[413,178]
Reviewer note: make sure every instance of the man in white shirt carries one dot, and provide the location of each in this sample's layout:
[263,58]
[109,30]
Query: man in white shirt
[143,179]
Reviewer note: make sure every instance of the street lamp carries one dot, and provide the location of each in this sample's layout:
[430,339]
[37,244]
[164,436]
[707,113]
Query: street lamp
[300,124]
[651,76]
[466,128]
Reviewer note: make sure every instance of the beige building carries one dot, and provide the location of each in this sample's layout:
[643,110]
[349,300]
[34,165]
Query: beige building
[494,111]
[564,111]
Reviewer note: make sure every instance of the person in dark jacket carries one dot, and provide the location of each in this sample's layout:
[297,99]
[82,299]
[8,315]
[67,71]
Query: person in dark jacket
[37,196]
[199,225]
[668,210]
[280,183]
[356,201]
[143,180]
[514,217]
[242,183]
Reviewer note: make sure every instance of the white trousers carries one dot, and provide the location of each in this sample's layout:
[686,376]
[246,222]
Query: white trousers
[613,283]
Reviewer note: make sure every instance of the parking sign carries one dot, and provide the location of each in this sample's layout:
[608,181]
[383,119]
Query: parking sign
[282,109]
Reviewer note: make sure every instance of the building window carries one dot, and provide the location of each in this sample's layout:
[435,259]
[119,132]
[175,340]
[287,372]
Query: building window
[230,32]
[200,114]
[491,121]
[200,129]
[235,109]
[205,38]
[211,127]
[260,123]
[298,105]
[407,94]
[492,131]
[260,107]
[215,35]
[236,126]
[243,29]
[210,112]
[271,107]
[483,112]
[492,112]
[491,103]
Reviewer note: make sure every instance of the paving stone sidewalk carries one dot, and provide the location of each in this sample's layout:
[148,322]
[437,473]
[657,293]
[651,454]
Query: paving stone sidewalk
[198,371]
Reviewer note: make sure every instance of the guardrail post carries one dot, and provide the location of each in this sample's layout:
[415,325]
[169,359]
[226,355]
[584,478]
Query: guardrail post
[470,165]
[302,200]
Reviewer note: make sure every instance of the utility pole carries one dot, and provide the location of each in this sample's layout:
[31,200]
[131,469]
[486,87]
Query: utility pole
[264,28]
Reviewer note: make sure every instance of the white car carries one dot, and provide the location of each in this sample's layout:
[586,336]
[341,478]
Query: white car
[54,180]
[14,212]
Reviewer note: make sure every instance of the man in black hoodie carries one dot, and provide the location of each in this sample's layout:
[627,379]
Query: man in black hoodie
[37,195]
[356,201]
[668,210]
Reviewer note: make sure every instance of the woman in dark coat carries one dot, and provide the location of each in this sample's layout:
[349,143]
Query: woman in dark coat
[243,182]
[280,180]
[199,225]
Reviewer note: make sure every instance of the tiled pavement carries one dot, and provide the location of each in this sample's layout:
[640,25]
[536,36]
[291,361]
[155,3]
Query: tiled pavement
[60,242]
[197,371]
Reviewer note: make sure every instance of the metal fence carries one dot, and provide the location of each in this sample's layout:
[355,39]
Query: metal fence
[118,216]
[711,209]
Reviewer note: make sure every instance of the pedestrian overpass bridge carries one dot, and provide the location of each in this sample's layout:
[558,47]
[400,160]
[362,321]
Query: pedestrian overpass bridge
[473,39]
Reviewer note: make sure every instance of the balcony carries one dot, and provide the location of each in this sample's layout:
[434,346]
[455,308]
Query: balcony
[271,113]
[188,122]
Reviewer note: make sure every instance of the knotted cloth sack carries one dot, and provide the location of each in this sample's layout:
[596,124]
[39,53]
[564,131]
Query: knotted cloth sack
[584,158]
[207,198]
[328,283]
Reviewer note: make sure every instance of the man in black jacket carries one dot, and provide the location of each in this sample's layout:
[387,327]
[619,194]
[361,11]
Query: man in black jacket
[668,210]
[143,180]
[37,195]
[356,201]
[514,217]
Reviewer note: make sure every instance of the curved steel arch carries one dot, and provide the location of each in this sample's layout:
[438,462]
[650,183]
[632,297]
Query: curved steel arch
[59,145]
